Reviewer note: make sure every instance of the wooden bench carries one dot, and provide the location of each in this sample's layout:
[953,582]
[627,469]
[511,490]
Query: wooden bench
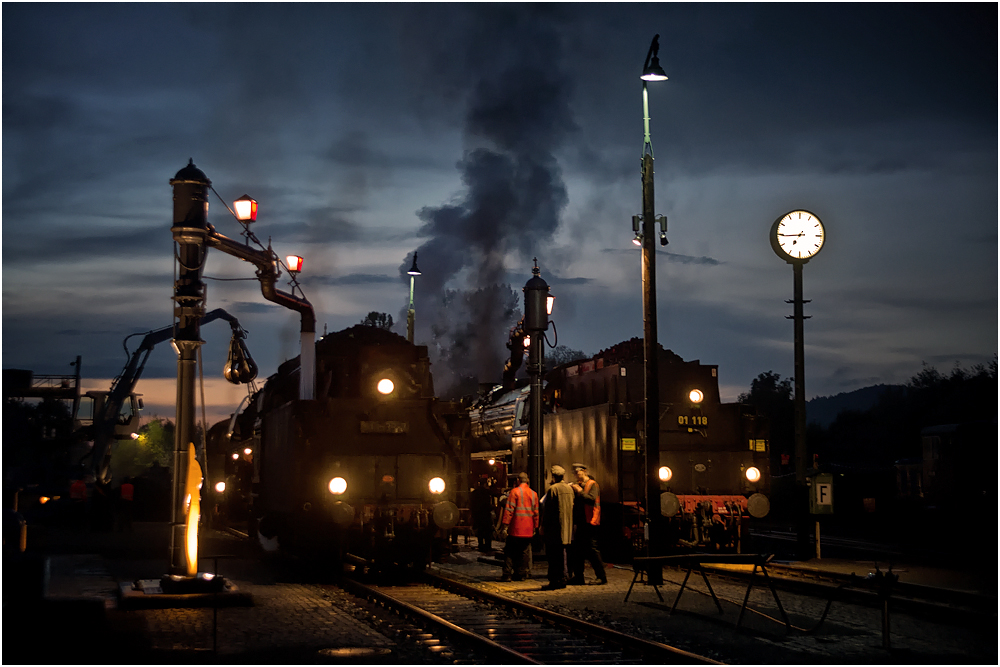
[643,564]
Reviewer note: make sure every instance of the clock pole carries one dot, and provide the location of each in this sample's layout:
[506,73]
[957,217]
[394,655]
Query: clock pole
[800,376]
[802,502]
[797,237]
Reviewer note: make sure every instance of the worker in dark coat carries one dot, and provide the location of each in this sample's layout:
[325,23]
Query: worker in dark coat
[586,519]
[520,521]
[557,526]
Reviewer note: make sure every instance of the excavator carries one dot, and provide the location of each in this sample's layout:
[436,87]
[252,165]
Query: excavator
[106,416]
[110,423]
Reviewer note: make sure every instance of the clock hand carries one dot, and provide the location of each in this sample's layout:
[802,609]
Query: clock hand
[799,234]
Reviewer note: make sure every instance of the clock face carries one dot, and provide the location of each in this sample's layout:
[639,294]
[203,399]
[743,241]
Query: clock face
[798,235]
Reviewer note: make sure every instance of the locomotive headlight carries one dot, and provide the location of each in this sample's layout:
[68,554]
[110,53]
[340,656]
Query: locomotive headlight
[220,487]
[696,396]
[665,474]
[436,486]
[385,386]
[753,474]
[337,485]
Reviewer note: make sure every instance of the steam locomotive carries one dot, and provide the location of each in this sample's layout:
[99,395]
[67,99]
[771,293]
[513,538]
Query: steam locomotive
[369,470]
[714,472]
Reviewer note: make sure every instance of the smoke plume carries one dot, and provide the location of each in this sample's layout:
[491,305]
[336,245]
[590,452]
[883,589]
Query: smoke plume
[517,116]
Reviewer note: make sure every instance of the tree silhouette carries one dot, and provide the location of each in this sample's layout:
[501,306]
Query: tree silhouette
[773,398]
[377,319]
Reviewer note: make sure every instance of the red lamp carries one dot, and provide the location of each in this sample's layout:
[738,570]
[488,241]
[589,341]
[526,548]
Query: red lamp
[246,209]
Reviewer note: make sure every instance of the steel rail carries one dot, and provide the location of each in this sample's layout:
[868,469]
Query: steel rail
[666,654]
[361,590]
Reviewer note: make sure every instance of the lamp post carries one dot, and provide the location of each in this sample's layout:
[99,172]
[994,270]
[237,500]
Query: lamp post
[410,313]
[651,72]
[537,308]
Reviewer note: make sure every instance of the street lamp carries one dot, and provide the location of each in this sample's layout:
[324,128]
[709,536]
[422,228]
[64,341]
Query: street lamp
[410,313]
[651,72]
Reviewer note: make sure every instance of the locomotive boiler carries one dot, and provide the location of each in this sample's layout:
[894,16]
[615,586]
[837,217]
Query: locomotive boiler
[714,472]
[369,470]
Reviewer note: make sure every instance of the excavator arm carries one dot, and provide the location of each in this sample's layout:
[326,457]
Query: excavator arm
[240,368]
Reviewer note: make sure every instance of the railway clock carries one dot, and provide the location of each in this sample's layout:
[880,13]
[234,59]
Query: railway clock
[797,236]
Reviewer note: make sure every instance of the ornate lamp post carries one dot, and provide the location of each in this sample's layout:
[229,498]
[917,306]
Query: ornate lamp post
[537,308]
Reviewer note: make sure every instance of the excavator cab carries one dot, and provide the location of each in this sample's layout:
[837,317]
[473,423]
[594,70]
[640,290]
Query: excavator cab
[93,402]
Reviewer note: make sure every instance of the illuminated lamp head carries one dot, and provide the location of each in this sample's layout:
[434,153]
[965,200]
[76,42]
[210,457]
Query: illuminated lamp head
[236,456]
[696,396]
[248,451]
[294,263]
[753,474]
[220,487]
[385,386]
[665,473]
[436,486]
[337,486]
[246,209]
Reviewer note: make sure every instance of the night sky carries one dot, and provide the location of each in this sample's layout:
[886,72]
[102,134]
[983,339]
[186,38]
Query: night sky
[485,135]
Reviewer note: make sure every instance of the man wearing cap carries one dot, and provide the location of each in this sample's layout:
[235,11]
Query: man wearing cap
[521,515]
[557,525]
[586,519]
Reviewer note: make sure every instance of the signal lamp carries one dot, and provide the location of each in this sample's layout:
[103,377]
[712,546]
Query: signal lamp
[294,264]
[665,474]
[549,302]
[492,461]
[436,486]
[246,209]
[753,474]
[220,487]
[337,485]
[696,396]
[385,386]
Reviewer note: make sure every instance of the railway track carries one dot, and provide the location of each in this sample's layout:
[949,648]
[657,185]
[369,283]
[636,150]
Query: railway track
[940,605]
[473,626]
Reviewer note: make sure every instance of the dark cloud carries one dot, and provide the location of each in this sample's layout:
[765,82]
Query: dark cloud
[254,307]
[75,244]
[688,259]
[356,279]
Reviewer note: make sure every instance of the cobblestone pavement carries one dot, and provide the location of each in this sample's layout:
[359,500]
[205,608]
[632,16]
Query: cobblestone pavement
[296,616]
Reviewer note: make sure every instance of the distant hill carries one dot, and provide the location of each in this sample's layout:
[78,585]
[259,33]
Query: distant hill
[823,410]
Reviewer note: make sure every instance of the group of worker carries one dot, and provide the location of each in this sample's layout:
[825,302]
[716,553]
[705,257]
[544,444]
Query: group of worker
[568,515]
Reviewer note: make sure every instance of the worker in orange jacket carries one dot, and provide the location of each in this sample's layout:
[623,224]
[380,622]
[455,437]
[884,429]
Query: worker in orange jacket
[520,521]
